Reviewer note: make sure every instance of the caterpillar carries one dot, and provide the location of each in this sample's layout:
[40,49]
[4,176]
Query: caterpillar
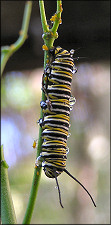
[56,84]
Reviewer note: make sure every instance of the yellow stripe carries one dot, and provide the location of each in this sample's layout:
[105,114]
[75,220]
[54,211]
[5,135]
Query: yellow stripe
[62,72]
[54,142]
[59,86]
[60,116]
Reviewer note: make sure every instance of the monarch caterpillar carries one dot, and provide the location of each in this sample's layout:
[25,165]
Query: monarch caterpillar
[56,84]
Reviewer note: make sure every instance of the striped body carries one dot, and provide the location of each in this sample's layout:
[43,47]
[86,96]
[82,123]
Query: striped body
[56,84]
[57,107]
[55,124]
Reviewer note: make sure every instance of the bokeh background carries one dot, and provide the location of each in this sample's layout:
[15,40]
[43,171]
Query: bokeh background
[85,25]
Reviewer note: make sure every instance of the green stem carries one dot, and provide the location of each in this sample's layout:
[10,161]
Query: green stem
[37,172]
[36,177]
[7,51]
[43,16]
[57,20]
[35,184]
[49,35]
[7,208]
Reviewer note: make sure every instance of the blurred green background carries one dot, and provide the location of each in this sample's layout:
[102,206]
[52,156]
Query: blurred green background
[89,155]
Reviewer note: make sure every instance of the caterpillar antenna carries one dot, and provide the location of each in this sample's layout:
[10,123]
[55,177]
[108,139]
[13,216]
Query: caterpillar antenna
[59,192]
[81,185]
[80,57]
[78,48]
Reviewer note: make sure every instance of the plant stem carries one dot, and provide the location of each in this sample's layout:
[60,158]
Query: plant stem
[37,172]
[43,16]
[7,208]
[58,18]
[35,184]
[7,51]
[36,177]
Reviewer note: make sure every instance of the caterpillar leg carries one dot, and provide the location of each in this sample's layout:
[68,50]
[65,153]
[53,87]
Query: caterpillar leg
[49,105]
[45,80]
[45,76]
[46,104]
[72,101]
[38,161]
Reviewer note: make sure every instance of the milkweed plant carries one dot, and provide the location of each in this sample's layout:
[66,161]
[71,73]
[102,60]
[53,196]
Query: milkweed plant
[8,215]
